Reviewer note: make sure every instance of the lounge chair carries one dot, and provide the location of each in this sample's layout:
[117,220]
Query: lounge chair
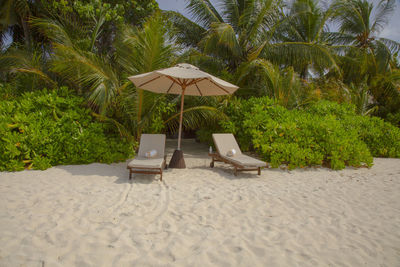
[224,144]
[146,164]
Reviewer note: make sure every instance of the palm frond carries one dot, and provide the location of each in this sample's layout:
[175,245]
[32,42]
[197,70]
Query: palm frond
[269,71]
[352,15]
[256,19]
[384,9]
[392,46]
[194,118]
[139,51]
[54,30]
[385,90]
[221,39]
[203,12]
[185,31]
[282,85]
[360,97]
[146,49]
[121,128]
[300,54]
[383,56]
[210,64]
[338,38]
[232,11]
[93,72]
[23,61]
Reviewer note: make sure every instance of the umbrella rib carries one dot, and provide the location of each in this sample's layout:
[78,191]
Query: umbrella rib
[198,89]
[150,81]
[172,84]
[220,87]
[175,81]
[195,81]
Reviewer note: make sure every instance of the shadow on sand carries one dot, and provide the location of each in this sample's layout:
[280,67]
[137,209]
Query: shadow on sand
[192,150]
[96,169]
[228,173]
[115,170]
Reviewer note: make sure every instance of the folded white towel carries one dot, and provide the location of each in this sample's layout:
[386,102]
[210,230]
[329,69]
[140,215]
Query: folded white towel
[231,152]
[151,154]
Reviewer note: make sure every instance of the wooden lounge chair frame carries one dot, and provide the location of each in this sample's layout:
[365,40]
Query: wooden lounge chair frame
[149,170]
[223,143]
[237,167]
[147,145]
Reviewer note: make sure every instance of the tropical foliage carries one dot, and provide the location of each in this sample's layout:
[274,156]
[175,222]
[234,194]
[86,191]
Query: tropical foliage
[256,39]
[286,51]
[46,128]
[325,133]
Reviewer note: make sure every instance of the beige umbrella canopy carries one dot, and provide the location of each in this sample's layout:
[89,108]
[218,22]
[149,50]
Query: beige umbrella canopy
[183,79]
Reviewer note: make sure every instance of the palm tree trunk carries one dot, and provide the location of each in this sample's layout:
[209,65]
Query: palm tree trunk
[27,38]
[304,72]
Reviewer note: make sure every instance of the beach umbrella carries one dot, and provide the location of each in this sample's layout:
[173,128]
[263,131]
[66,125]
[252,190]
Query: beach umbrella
[183,79]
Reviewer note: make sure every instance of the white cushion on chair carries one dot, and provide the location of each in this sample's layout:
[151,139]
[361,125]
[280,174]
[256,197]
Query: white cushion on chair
[246,161]
[152,163]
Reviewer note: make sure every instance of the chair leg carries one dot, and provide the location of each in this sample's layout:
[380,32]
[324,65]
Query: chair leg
[161,174]
[235,171]
[259,170]
[130,174]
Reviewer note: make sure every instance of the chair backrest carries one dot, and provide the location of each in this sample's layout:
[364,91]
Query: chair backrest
[152,141]
[225,142]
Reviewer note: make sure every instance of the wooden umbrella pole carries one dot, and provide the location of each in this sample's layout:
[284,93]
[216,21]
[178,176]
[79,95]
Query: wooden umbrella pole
[181,116]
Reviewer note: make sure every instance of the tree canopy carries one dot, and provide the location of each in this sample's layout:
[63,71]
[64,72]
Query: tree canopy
[286,50]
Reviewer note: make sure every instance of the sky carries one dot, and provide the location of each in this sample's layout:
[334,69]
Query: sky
[391,31]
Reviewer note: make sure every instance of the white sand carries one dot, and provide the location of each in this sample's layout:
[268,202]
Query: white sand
[92,215]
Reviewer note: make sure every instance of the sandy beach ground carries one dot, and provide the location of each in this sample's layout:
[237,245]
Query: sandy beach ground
[92,215]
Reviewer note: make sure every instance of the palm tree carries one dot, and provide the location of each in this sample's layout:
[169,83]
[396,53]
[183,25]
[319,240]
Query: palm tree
[367,57]
[360,23]
[301,39]
[248,35]
[284,85]
[141,50]
[75,60]
[235,34]
[103,79]
[386,91]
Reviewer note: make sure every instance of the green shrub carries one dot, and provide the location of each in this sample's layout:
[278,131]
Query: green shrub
[325,108]
[394,118]
[325,133]
[300,139]
[6,91]
[382,138]
[238,110]
[47,128]
[204,135]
